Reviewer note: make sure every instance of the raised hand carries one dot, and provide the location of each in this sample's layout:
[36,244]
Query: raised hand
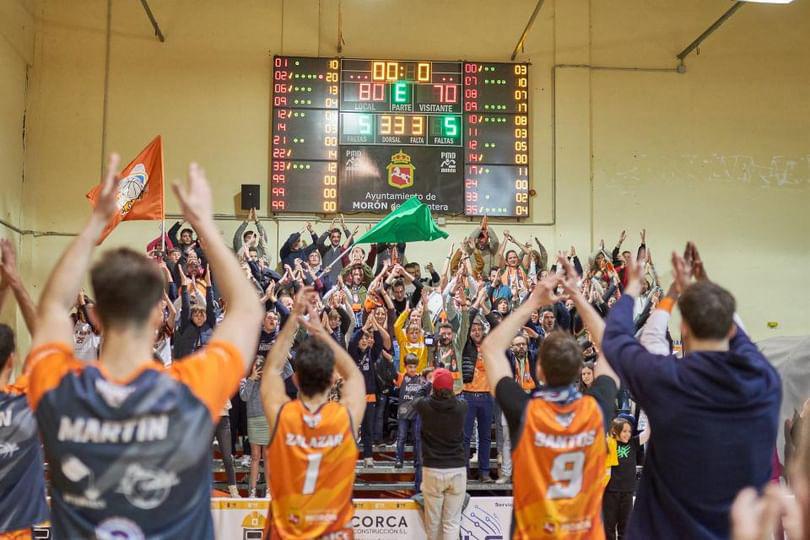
[571,280]
[698,270]
[256,373]
[313,324]
[754,517]
[644,236]
[195,197]
[681,273]
[544,293]
[303,302]
[270,291]
[107,199]
[8,260]
[622,237]
[632,272]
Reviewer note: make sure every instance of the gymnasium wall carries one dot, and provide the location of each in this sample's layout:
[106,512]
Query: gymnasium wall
[16,53]
[719,154]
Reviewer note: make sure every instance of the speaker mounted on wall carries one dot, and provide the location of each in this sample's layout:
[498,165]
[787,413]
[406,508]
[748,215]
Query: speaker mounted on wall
[250,197]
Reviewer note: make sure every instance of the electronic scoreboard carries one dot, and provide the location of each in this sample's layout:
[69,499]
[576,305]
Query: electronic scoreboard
[354,135]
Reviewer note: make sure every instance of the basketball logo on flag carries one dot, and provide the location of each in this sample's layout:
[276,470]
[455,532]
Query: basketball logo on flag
[140,191]
[131,188]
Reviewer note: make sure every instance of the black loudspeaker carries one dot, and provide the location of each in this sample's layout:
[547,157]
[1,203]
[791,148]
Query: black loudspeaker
[250,197]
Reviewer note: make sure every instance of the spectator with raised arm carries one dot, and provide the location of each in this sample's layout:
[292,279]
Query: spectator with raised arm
[256,239]
[331,249]
[197,321]
[293,248]
[186,242]
[484,243]
[720,370]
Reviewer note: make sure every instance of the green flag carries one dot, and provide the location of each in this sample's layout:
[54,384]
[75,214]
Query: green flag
[411,222]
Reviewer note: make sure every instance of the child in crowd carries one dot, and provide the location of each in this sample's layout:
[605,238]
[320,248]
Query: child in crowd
[618,500]
[411,386]
[258,430]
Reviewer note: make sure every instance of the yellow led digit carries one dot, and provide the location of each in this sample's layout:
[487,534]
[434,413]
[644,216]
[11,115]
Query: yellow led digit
[418,125]
[423,72]
[378,71]
[399,125]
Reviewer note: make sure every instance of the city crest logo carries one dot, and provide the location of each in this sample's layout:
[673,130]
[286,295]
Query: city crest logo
[400,171]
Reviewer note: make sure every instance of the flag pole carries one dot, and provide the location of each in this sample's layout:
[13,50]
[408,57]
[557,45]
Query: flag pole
[328,268]
[163,201]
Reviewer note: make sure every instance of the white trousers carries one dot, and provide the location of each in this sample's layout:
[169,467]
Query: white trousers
[443,490]
[506,456]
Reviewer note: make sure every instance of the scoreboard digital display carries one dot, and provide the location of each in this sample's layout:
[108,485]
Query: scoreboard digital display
[353,135]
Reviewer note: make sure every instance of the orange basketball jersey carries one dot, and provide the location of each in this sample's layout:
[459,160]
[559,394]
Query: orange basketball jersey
[311,463]
[559,465]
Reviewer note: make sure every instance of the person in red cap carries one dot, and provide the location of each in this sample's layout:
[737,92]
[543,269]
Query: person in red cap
[444,472]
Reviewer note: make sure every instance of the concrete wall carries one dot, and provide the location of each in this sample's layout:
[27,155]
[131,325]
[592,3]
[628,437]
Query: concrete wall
[720,154]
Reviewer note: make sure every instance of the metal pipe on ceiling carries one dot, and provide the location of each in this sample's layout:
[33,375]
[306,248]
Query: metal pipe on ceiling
[529,24]
[709,31]
[154,22]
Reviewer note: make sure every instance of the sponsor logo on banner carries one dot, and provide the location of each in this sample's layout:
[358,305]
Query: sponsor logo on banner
[374,518]
[253,526]
[400,171]
[448,164]
[487,518]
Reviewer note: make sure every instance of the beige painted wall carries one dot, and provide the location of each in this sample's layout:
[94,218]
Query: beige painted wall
[16,52]
[720,154]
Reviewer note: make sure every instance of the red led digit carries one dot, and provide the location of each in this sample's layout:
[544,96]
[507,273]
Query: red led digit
[378,92]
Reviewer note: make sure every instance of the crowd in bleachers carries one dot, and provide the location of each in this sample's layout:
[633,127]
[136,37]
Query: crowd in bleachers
[401,320]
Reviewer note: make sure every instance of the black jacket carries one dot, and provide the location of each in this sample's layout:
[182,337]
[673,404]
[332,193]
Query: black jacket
[442,431]
[189,338]
[469,355]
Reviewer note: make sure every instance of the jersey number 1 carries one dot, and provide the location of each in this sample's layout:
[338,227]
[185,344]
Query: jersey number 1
[566,471]
[313,468]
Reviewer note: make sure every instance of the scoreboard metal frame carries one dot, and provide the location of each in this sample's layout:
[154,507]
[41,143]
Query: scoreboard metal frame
[325,105]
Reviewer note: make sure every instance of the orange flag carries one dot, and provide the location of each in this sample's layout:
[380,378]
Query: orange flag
[140,190]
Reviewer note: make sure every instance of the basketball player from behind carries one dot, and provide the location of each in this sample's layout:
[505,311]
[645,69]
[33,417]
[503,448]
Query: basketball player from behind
[558,435]
[128,441]
[312,444]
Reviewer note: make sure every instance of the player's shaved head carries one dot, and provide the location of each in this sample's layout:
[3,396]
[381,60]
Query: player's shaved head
[560,359]
[314,367]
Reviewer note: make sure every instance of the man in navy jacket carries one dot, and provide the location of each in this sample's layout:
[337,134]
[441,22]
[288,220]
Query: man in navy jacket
[713,413]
